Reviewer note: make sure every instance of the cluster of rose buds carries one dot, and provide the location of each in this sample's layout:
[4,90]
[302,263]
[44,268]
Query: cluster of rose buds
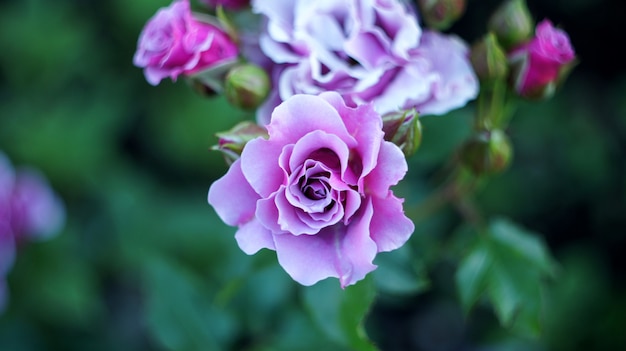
[513,55]
[29,210]
[339,88]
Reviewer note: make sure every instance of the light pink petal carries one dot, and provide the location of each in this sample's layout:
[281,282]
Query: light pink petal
[301,114]
[232,197]
[390,228]
[253,236]
[338,251]
[259,164]
[365,124]
[390,169]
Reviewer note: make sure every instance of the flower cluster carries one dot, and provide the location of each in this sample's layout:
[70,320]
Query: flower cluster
[29,210]
[339,88]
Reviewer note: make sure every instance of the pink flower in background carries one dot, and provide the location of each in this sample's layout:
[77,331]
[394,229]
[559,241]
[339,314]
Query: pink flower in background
[367,50]
[173,42]
[29,209]
[317,191]
[229,4]
[540,61]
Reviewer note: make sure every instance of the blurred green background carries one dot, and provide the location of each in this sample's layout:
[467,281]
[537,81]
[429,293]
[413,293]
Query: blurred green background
[145,264]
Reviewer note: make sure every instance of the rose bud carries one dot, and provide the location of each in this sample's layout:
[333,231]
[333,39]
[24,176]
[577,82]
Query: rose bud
[512,23]
[231,142]
[539,65]
[174,42]
[404,129]
[247,86]
[488,59]
[488,152]
[441,14]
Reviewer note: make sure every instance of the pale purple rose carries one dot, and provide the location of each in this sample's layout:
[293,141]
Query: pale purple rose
[229,4]
[539,62]
[173,42]
[368,51]
[317,191]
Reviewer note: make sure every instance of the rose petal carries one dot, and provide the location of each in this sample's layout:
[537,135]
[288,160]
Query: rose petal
[390,169]
[338,251]
[390,228]
[259,164]
[253,236]
[232,197]
[302,114]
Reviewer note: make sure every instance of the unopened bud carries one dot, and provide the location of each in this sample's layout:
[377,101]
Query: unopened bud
[441,14]
[404,129]
[488,152]
[247,86]
[512,23]
[232,142]
[488,59]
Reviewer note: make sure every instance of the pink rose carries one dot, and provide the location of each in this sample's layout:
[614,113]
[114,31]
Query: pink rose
[539,62]
[229,4]
[317,191]
[173,42]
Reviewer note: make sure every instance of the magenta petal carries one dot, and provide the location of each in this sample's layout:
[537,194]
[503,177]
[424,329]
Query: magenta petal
[253,236]
[288,218]
[390,228]
[391,168]
[338,251]
[231,196]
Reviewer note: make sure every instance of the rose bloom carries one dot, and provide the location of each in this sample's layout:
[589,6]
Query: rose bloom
[367,50]
[539,62]
[173,42]
[317,190]
[229,4]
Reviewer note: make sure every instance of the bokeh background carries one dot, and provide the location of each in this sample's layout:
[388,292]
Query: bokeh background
[143,262]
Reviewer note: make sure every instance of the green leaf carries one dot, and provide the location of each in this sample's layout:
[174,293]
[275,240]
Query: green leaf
[400,274]
[340,313]
[179,314]
[509,265]
[471,276]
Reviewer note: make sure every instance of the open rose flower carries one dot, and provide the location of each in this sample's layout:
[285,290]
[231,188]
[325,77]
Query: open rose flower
[367,50]
[173,42]
[539,64]
[317,191]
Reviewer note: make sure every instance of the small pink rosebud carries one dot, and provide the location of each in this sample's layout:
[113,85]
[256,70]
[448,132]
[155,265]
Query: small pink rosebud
[540,64]
[174,42]
[404,129]
[512,23]
[441,14]
[232,142]
[247,86]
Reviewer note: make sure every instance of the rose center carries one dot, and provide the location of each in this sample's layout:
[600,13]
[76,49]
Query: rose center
[316,190]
